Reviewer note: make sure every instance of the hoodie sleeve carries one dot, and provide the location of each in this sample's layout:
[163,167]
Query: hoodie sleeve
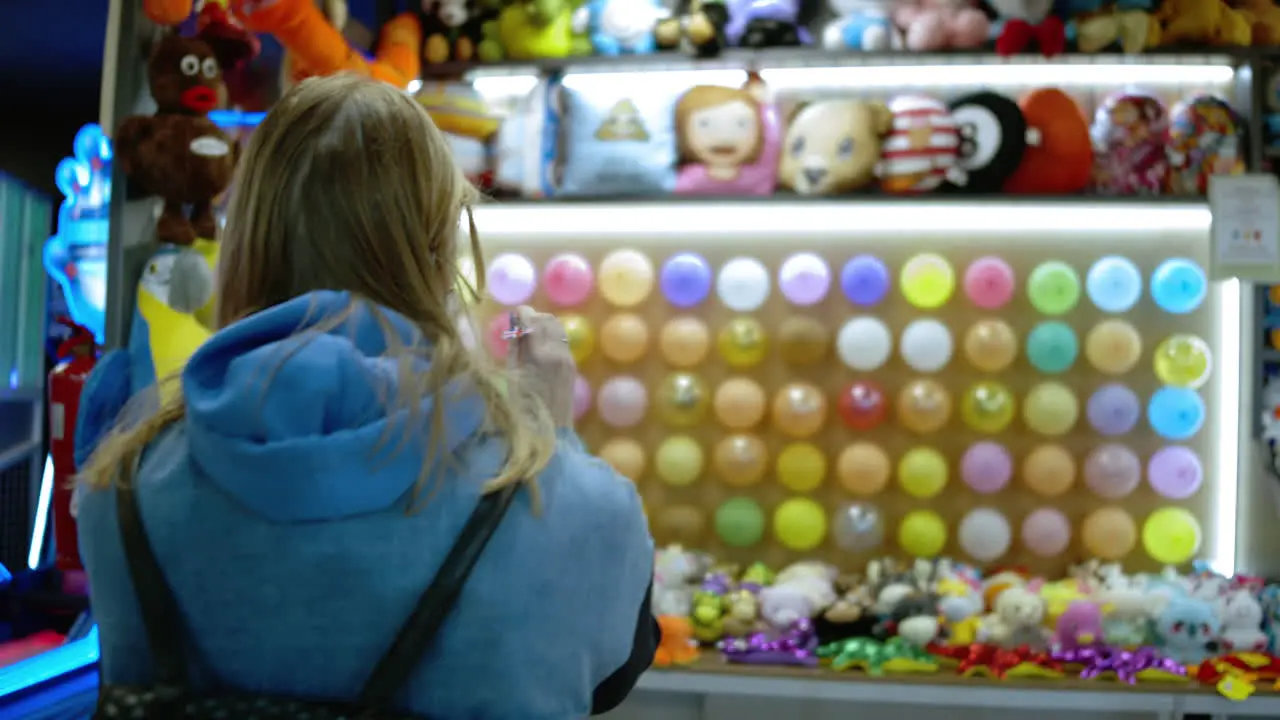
[623,558]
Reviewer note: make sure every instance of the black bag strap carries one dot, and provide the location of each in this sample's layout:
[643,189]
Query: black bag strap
[165,629]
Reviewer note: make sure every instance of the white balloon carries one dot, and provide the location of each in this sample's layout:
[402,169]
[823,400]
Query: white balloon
[743,284]
[864,343]
[985,534]
[926,345]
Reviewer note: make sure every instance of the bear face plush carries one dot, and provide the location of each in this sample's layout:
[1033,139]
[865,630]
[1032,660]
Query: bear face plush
[833,147]
[178,154]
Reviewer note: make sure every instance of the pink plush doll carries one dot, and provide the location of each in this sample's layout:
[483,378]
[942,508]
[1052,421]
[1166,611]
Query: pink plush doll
[931,25]
[1080,625]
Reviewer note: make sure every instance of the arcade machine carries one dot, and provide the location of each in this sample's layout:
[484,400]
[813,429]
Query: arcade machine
[48,665]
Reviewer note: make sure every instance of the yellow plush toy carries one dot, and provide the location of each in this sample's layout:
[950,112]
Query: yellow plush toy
[1263,18]
[1202,22]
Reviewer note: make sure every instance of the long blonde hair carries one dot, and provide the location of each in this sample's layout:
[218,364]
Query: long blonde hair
[348,185]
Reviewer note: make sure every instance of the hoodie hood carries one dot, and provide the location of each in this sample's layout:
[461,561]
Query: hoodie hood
[293,419]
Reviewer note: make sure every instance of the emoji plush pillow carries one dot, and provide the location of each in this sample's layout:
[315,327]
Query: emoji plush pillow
[727,140]
[615,141]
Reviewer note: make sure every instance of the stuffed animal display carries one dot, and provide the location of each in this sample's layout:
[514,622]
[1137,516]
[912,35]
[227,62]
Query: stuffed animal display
[726,141]
[941,616]
[178,153]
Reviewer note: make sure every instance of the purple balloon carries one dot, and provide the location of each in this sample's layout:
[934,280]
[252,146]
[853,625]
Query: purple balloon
[1175,472]
[986,467]
[685,279]
[804,279]
[864,280]
[1114,409]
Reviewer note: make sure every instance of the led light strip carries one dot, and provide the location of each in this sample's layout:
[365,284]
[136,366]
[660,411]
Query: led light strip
[1211,75]
[1229,296]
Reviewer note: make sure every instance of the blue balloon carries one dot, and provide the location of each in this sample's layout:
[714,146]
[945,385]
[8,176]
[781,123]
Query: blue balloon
[1052,347]
[1179,286]
[685,279]
[1114,284]
[1176,413]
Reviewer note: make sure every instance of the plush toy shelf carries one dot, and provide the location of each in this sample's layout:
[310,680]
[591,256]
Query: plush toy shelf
[818,57]
[711,677]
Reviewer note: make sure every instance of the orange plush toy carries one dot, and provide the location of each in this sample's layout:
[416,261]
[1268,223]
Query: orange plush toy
[678,646]
[1060,160]
[315,44]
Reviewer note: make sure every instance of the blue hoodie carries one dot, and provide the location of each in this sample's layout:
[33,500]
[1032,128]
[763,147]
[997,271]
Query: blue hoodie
[278,516]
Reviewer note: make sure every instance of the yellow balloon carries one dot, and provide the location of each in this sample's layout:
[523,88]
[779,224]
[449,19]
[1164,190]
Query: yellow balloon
[679,460]
[988,407]
[1183,361]
[922,533]
[800,524]
[683,400]
[924,406]
[990,345]
[1113,347]
[1051,409]
[801,467]
[922,472]
[742,342]
[928,281]
[1171,536]
[626,278]
[582,337]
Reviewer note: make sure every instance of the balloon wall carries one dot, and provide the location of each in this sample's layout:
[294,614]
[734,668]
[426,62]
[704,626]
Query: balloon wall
[1006,395]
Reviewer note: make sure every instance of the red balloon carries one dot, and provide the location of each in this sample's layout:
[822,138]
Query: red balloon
[863,405]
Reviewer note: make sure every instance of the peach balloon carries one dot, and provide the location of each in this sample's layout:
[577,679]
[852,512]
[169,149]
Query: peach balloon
[739,403]
[624,455]
[1113,347]
[924,406]
[740,460]
[1109,533]
[799,410]
[1049,470]
[624,338]
[684,341]
[863,468]
[990,345]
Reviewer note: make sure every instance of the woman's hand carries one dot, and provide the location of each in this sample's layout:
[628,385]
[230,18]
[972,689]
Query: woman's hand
[543,354]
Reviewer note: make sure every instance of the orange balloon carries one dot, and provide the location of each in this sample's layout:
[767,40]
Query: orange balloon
[1049,470]
[863,468]
[924,406]
[624,455]
[1113,347]
[1109,533]
[685,341]
[740,460]
[624,338]
[799,410]
[990,345]
[739,403]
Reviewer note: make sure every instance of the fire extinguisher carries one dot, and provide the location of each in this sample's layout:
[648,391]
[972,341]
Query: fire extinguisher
[76,357]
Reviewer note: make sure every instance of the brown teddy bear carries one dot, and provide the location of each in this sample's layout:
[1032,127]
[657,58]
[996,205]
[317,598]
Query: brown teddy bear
[833,146]
[178,153]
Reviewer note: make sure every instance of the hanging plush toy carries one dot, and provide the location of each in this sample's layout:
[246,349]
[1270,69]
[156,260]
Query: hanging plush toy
[452,29]
[1061,162]
[178,153]
[698,28]
[993,139]
[1206,137]
[1099,24]
[1026,25]
[922,150]
[1130,131]
[174,292]
[933,25]
[621,27]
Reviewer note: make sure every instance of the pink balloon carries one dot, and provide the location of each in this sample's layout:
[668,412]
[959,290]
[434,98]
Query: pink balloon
[989,282]
[581,397]
[498,346]
[1175,472]
[986,467]
[1046,532]
[1112,471]
[621,401]
[568,279]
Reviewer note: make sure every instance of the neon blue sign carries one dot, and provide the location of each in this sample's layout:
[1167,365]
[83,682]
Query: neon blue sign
[76,256]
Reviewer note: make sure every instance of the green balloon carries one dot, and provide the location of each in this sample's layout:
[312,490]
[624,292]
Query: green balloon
[1054,288]
[740,522]
[1052,347]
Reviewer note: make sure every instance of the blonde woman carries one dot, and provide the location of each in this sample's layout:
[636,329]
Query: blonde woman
[332,439]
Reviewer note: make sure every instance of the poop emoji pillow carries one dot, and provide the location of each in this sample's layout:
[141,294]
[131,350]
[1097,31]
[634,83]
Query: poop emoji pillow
[178,153]
[833,146]
[993,139]
[1061,161]
[615,141]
